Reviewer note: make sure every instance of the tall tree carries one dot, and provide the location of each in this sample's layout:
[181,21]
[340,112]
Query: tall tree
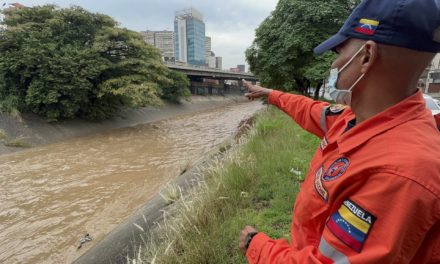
[282,52]
[66,63]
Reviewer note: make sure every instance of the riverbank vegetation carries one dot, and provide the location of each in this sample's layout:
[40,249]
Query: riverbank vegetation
[12,142]
[64,63]
[282,52]
[255,184]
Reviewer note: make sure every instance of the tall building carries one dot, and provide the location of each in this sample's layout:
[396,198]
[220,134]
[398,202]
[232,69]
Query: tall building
[208,46]
[180,40]
[148,36]
[219,63]
[211,61]
[242,68]
[209,54]
[189,42]
[163,40]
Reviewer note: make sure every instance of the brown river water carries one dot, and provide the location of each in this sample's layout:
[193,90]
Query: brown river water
[51,196]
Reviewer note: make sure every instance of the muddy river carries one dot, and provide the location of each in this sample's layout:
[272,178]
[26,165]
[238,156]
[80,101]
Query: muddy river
[51,196]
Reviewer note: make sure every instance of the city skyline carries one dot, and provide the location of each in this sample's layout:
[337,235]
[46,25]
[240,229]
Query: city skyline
[230,24]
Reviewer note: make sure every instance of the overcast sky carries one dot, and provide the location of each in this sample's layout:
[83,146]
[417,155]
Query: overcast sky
[230,23]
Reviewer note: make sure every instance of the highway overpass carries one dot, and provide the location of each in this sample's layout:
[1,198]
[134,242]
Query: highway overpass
[194,72]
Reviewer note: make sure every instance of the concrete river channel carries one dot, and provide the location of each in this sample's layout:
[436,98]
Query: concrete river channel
[51,196]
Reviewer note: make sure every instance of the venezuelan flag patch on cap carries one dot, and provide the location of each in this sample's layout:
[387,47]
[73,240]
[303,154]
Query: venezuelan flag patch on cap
[367,26]
[351,224]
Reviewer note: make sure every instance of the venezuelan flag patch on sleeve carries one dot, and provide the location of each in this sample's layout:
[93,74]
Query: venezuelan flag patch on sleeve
[351,224]
[367,26]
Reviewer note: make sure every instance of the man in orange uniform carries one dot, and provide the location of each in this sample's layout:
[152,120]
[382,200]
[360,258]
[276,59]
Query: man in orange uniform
[372,193]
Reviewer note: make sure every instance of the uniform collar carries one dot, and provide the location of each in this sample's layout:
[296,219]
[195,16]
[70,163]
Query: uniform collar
[408,109]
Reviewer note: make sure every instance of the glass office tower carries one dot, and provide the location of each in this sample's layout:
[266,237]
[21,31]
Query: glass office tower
[189,32]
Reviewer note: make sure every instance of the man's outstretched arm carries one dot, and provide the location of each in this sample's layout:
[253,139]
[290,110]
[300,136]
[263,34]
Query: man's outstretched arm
[314,116]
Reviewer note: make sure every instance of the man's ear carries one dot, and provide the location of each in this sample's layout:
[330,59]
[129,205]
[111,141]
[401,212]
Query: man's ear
[369,56]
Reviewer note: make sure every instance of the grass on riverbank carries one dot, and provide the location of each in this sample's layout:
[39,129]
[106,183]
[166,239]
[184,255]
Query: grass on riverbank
[256,185]
[17,142]
[3,135]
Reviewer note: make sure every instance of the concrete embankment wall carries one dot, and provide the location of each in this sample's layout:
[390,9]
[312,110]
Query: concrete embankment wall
[34,131]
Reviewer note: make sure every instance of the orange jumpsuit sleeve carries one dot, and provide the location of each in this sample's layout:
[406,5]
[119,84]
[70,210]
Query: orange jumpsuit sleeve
[394,217]
[309,114]
[264,250]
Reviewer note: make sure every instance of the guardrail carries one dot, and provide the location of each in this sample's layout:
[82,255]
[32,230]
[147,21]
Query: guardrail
[210,70]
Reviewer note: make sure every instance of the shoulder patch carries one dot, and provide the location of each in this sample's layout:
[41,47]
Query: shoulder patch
[337,169]
[335,110]
[351,224]
[319,185]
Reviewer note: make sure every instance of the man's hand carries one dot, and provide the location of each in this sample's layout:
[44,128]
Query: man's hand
[243,235]
[255,91]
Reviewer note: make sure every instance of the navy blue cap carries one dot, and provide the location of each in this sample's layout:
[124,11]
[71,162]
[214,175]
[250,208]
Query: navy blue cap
[412,24]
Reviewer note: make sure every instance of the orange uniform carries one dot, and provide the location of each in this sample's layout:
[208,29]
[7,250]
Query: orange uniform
[372,193]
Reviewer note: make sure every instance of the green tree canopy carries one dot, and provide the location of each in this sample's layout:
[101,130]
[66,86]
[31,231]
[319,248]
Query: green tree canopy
[282,52]
[67,63]
[179,88]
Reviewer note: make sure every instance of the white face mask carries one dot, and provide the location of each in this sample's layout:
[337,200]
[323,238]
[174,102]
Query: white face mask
[342,96]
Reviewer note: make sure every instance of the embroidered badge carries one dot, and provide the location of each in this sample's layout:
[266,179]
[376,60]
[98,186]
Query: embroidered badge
[351,224]
[367,26]
[324,143]
[335,110]
[319,185]
[337,169]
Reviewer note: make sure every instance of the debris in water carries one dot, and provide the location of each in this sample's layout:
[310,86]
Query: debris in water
[85,239]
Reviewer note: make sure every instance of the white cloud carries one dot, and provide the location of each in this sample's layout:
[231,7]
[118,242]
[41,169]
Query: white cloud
[231,45]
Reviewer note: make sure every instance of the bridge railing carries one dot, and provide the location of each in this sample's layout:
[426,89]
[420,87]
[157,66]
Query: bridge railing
[207,69]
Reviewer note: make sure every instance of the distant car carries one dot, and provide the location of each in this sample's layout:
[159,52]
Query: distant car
[431,104]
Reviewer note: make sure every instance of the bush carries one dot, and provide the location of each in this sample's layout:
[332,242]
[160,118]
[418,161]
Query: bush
[178,89]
